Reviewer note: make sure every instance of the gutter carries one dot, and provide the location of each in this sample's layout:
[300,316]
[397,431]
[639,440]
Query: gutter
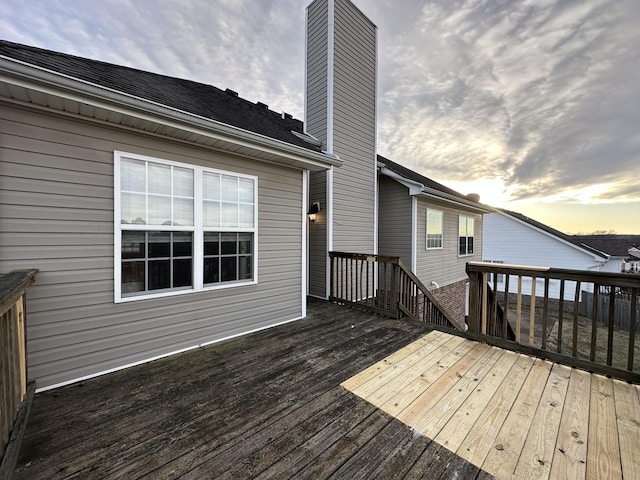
[29,76]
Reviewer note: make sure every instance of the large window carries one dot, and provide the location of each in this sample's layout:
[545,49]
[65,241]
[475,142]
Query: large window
[434,229]
[181,228]
[465,235]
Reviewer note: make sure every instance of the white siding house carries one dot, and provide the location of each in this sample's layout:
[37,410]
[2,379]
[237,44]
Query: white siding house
[512,238]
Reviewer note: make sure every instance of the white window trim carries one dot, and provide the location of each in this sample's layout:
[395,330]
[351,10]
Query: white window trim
[426,229]
[473,236]
[198,231]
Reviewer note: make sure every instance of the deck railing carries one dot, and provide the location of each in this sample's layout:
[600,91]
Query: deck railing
[545,308]
[15,393]
[384,285]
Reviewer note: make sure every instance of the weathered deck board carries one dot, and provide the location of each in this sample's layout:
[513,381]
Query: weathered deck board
[267,405]
[514,415]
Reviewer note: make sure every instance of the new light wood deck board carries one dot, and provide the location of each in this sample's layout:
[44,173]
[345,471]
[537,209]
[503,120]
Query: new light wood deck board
[515,416]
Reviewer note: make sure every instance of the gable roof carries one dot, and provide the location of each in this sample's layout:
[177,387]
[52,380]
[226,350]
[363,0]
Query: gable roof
[615,245]
[556,233]
[428,186]
[205,104]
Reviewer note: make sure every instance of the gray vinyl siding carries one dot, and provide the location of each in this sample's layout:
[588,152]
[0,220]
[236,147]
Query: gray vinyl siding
[316,125]
[318,237]
[316,87]
[444,266]
[354,115]
[394,220]
[56,214]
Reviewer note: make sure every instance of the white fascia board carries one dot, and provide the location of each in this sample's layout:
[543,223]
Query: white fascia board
[52,83]
[596,258]
[415,188]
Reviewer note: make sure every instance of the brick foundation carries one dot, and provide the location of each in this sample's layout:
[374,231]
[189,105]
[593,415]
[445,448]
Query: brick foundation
[452,299]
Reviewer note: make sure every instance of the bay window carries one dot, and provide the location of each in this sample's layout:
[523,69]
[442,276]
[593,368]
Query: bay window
[181,228]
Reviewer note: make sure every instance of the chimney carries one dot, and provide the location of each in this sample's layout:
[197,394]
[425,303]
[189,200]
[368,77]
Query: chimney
[340,110]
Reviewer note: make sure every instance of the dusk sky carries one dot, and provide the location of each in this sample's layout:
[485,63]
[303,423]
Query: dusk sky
[535,105]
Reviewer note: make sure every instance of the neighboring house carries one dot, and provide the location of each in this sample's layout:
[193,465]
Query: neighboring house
[165,214]
[513,238]
[434,229]
[624,256]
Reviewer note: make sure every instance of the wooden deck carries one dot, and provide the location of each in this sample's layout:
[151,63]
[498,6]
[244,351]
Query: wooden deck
[270,405]
[512,415]
[267,405]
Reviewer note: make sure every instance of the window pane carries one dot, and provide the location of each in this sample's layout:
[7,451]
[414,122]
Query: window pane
[182,245]
[462,226]
[133,245]
[463,246]
[159,274]
[211,214]
[159,210]
[182,272]
[469,227]
[133,208]
[245,217]
[132,175]
[228,273]
[132,277]
[211,186]
[245,240]
[244,268]
[182,182]
[229,188]
[229,215]
[229,244]
[211,272]
[182,211]
[211,244]
[159,243]
[159,178]
[469,245]
[245,190]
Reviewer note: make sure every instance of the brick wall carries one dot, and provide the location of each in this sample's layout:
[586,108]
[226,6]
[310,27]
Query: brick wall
[452,299]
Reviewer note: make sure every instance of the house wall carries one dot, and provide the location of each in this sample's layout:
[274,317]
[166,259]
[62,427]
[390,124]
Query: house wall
[508,240]
[341,111]
[56,214]
[444,266]
[394,219]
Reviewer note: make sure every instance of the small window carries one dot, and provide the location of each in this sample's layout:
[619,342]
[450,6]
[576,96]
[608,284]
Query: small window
[434,229]
[172,236]
[465,235]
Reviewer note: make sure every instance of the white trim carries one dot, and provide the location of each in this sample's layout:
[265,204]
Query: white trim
[330,61]
[304,280]
[157,357]
[329,229]
[197,229]
[414,234]
[426,229]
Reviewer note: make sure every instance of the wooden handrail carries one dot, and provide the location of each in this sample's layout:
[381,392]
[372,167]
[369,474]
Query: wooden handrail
[385,285]
[13,376]
[589,321]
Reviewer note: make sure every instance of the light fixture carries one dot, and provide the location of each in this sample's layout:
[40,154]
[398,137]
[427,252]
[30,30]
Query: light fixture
[313,211]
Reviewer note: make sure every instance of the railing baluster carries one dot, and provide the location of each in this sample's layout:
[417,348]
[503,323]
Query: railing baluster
[594,323]
[632,328]
[612,311]
[532,312]
[545,314]
[576,311]
[483,306]
[505,322]
[519,309]
[560,316]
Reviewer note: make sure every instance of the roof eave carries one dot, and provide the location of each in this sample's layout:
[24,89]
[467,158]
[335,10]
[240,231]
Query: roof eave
[20,74]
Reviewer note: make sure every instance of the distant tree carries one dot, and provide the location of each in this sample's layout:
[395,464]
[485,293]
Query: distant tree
[604,232]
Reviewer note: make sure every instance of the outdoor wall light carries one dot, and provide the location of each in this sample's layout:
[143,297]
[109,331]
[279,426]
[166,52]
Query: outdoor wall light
[313,211]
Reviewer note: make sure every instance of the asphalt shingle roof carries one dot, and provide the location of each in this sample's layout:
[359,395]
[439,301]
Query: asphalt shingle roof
[416,177]
[616,245]
[192,97]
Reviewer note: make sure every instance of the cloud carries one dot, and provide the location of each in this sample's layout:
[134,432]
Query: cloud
[540,95]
